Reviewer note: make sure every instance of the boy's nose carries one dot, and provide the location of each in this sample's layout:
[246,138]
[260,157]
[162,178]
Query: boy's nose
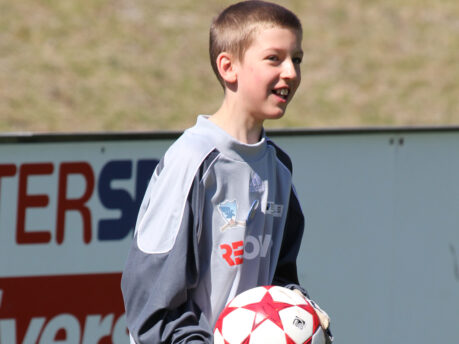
[289,70]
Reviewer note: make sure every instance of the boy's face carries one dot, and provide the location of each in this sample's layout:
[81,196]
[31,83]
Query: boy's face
[269,73]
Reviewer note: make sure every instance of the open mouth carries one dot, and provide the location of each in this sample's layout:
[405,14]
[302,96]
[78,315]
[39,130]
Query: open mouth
[282,92]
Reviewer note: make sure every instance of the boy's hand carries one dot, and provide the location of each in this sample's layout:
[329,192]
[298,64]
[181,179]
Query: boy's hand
[323,317]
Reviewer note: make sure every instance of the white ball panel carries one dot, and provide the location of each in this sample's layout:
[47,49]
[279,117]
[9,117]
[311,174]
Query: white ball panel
[218,338]
[268,333]
[297,322]
[249,296]
[237,325]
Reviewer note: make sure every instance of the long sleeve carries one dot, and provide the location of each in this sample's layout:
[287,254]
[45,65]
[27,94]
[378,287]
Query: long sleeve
[286,270]
[162,267]
[286,274]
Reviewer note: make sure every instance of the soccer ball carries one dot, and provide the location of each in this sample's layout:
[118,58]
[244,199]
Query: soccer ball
[268,315]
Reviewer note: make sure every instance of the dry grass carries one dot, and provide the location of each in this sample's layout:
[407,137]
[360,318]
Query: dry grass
[104,65]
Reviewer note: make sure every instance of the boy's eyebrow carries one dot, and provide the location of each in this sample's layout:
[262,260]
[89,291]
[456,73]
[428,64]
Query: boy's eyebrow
[299,52]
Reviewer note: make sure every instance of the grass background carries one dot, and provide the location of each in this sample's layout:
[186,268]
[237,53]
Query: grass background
[123,65]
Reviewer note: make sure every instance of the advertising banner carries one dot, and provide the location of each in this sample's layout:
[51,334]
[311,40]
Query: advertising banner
[67,211]
[380,251]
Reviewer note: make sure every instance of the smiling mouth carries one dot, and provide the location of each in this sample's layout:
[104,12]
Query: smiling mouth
[282,92]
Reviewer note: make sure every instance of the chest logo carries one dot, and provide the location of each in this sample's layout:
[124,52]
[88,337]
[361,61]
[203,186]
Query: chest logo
[274,209]
[256,184]
[228,211]
[251,247]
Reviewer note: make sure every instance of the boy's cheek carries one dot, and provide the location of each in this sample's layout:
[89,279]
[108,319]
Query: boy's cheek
[297,84]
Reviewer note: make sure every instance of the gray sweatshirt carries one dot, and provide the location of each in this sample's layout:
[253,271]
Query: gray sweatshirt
[218,217]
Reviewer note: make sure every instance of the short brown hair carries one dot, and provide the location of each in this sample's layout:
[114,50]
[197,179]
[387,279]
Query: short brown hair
[233,29]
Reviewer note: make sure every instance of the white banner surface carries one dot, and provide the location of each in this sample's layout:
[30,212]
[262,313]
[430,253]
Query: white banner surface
[380,251]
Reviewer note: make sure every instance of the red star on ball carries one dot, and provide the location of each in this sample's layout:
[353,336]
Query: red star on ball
[267,309]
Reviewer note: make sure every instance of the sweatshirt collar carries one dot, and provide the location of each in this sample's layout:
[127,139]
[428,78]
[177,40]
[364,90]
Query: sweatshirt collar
[227,144]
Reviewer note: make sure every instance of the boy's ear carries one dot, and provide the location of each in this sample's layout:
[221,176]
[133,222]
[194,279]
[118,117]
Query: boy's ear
[226,67]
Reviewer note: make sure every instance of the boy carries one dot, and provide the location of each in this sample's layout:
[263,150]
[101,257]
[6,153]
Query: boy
[220,215]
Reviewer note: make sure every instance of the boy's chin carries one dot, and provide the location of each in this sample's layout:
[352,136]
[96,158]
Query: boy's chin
[273,114]
[276,114]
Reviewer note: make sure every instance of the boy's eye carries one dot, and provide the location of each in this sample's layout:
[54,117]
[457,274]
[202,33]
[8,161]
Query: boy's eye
[273,58]
[297,60]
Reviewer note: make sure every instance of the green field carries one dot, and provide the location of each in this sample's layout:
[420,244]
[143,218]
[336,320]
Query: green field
[123,65]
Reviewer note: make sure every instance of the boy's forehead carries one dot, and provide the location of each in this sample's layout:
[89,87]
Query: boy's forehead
[262,26]
[264,35]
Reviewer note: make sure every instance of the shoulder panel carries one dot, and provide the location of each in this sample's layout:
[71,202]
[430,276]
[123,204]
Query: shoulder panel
[157,228]
[281,155]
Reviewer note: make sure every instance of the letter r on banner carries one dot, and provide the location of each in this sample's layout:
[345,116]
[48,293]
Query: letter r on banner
[78,204]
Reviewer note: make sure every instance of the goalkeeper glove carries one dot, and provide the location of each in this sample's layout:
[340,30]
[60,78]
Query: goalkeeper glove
[323,317]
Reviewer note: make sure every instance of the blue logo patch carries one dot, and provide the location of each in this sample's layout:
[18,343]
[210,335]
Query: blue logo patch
[228,210]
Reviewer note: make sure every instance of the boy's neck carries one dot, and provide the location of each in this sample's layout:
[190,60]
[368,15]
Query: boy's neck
[242,127]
